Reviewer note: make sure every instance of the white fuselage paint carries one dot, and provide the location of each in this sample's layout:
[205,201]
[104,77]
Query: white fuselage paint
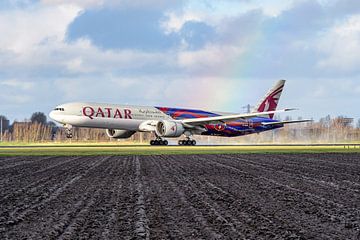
[110,116]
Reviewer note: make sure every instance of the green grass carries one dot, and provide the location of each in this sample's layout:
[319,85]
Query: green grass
[161,150]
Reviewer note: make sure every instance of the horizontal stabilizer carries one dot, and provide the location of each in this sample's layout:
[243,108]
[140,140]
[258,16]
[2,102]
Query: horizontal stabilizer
[286,122]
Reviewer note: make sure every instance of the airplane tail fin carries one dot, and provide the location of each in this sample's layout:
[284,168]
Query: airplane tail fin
[271,99]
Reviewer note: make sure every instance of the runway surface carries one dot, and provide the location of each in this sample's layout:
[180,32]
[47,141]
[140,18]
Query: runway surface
[173,144]
[101,149]
[236,196]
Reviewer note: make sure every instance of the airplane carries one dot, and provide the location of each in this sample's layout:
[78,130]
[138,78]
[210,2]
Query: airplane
[122,121]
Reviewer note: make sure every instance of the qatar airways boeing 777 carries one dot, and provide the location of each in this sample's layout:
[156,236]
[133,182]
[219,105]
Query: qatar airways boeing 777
[122,121]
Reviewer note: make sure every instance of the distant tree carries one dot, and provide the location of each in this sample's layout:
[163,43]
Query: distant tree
[4,122]
[53,128]
[51,124]
[3,118]
[358,124]
[38,117]
[344,121]
[326,121]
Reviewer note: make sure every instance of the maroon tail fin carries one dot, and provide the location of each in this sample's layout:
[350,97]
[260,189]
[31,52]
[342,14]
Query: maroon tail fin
[271,99]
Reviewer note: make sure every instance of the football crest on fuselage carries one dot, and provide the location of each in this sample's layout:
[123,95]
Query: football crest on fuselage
[219,127]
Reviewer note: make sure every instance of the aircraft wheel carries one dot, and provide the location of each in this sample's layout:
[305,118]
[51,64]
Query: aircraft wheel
[152,142]
[165,142]
[193,142]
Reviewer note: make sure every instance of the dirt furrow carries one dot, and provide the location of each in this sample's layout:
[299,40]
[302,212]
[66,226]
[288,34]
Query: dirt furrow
[14,162]
[204,209]
[300,179]
[239,196]
[312,205]
[141,223]
[115,192]
[170,216]
[237,217]
[20,213]
[38,180]
[89,218]
[47,183]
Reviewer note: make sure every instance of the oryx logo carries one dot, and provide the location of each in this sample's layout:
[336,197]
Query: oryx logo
[219,127]
[271,101]
[173,128]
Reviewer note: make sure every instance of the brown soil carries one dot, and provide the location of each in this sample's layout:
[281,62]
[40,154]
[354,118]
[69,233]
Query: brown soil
[249,196]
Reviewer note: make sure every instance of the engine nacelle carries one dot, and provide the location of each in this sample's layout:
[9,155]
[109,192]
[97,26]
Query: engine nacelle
[169,129]
[117,134]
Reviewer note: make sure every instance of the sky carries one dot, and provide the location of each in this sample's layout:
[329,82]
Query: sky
[207,54]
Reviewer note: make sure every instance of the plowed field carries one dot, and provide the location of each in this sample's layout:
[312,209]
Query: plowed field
[248,196]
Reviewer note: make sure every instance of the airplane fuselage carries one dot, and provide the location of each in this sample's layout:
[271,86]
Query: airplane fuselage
[132,118]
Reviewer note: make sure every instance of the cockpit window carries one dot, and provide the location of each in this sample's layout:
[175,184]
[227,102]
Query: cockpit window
[59,109]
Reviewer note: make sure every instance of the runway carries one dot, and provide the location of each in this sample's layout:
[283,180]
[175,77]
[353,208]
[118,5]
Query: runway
[118,149]
[76,145]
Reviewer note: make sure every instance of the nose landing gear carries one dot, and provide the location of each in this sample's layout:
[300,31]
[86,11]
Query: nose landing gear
[68,131]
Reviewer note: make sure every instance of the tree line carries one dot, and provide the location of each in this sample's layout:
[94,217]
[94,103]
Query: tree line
[326,130]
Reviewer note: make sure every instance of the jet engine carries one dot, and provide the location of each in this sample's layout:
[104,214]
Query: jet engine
[117,134]
[169,129]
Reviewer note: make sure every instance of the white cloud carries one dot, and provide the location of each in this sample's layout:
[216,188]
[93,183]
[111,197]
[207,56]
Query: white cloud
[209,59]
[162,90]
[214,12]
[33,46]
[173,22]
[79,3]
[341,45]
[15,99]
[88,4]
[23,85]
[24,29]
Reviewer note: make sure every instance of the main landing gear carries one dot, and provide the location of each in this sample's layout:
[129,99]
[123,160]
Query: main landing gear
[187,142]
[68,131]
[159,141]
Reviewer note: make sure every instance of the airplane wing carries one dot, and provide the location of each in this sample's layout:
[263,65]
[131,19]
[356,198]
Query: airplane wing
[229,118]
[286,122]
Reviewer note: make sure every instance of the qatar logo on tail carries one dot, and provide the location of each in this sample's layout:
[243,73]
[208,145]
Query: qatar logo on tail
[271,100]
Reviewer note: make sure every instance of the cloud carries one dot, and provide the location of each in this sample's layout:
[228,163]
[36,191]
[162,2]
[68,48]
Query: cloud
[116,4]
[23,85]
[154,90]
[32,27]
[205,54]
[341,46]
[84,4]
[138,28]
[173,22]
[122,29]
[195,34]
[211,60]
